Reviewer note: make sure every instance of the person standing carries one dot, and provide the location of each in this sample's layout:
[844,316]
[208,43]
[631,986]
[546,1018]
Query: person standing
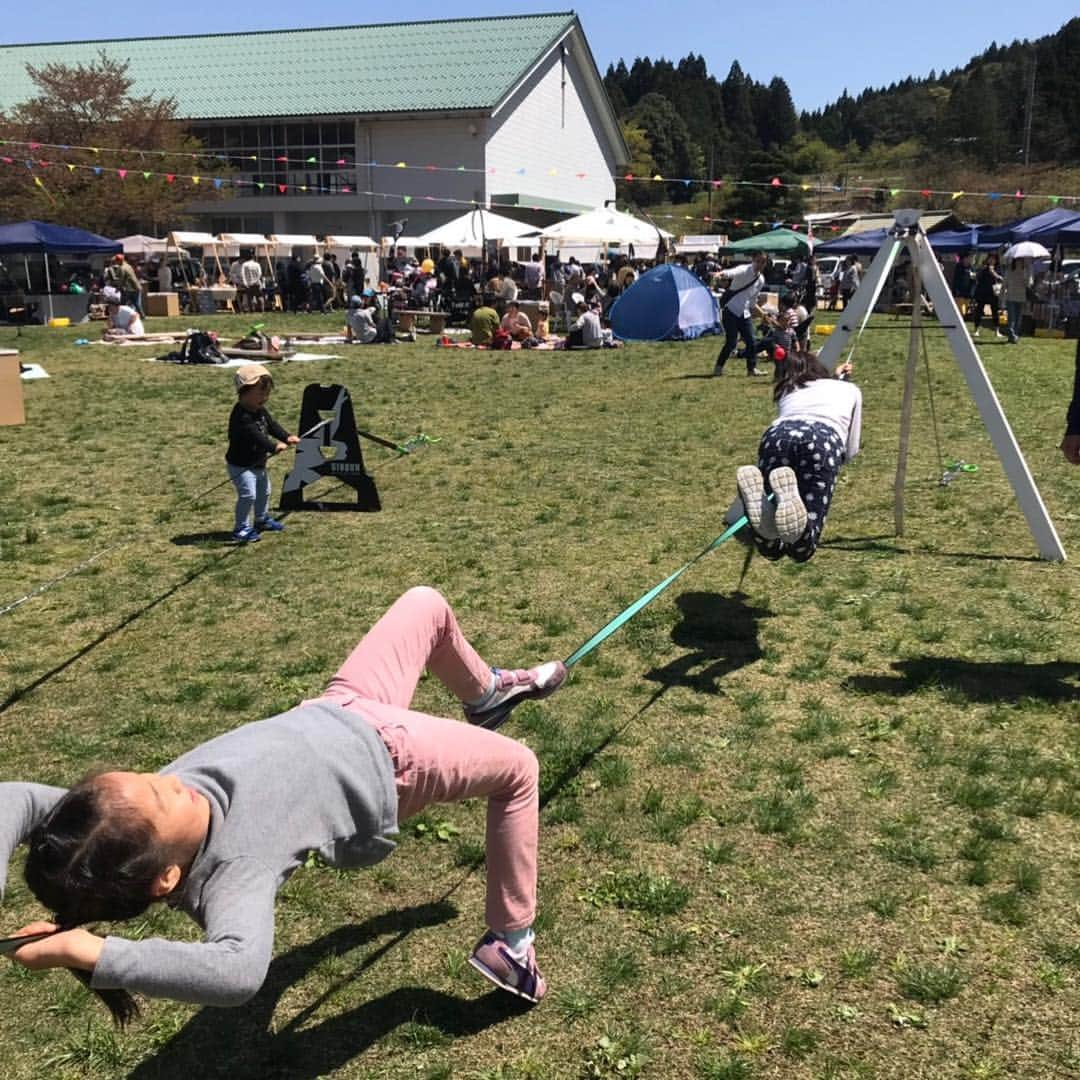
[963,283]
[810,285]
[988,284]
[744,284]
[850,279]
[120,274]
[1017,282]
[317,282]
[1070,444]
[251,283]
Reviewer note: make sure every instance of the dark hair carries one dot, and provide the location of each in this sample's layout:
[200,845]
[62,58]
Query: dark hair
[798,369]
[92,860]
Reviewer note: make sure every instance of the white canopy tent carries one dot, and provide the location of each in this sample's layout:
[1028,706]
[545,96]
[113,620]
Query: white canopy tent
[471,230]
[210,244]
[138,244]
[285,242]
[604,227]
[233,243]
[348,243]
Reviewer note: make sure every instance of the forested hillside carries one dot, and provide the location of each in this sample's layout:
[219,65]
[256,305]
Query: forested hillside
[962,127]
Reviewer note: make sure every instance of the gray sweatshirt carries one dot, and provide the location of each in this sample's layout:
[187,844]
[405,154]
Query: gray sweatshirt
[317,778]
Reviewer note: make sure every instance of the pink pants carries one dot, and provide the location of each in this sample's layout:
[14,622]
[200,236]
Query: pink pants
[439,761]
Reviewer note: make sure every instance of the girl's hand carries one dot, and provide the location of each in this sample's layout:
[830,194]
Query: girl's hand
[844,370]
[293,440]
[72,949]
[280,448]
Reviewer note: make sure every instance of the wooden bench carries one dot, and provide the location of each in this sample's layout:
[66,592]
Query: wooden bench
[436,320]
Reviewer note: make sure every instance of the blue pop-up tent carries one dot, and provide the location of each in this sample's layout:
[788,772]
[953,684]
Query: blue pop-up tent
[41,238]
[29,237]
[666,304]
[1043,228]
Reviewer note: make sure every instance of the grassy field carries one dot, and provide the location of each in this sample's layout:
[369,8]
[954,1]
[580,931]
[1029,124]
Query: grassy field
[799,822]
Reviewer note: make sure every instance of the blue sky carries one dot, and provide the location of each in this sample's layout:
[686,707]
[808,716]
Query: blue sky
[818,48]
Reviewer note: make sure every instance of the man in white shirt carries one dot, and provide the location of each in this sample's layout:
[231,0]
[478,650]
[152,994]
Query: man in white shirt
[744,285]
[586,330]
[317,284]
[251,280]
[534,276]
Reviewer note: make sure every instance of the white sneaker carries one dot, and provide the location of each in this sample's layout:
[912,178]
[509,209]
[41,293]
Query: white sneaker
[976,333]
[790,512]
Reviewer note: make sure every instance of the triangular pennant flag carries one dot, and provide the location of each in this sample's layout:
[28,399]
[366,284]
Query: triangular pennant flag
[170,177]
[70,168]
[281,157]
[431,168]
[146,175]
[303,187]
[580,175]
[805,187]
[37,180]
[253,157]
[121,173]
[313,160]
[401,165]
[341,161]
[346,190]
[34,145]
[775,182]
[1019,193]
[925,193]
[94,149]
[461,168]
[406,199]
[894,192]
[259,184]
[994,195]
[217,181]
[658,177]
[97,170]
[521,172]
[196,179]
[956,195]
[629,176]
[282,188]
[717,183]
[1055,199]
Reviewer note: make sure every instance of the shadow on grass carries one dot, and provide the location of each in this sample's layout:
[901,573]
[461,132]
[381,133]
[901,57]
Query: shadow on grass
[245,1044]
[982,682]
[20,692]
[203,539]
[721,633]
[878,544]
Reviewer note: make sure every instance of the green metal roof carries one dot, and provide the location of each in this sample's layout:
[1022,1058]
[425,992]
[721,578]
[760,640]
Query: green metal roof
[397,67]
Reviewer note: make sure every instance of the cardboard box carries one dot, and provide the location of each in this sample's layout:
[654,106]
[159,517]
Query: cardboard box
[163,303]
[11,396]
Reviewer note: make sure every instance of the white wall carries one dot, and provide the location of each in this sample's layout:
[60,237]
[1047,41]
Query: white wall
[530,132]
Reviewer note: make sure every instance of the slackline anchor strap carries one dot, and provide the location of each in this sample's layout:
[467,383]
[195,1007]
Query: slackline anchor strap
[627,614]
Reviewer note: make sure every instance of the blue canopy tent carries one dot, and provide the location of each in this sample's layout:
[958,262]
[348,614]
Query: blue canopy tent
[1042,228]
[41,238]
[862,243]
[666,304]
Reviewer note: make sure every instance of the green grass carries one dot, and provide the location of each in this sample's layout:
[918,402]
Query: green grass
[768,800]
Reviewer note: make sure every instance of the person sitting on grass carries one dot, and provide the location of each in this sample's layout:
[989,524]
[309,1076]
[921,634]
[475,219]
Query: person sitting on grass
[253,436]
[360,326]
[817,430]
[124,320]
[483,323]
[217,832]
[516,323]
[585,331]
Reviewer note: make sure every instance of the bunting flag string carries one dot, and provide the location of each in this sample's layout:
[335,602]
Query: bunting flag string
[278,162]
[224,182]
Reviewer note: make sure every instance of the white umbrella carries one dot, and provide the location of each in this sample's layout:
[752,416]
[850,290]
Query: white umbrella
[1027,249]
[605,226]
[475,226]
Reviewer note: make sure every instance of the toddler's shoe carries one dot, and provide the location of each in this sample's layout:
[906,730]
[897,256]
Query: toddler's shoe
[494,960]
[513,687]
[790,512]
[268,524]
[246,535]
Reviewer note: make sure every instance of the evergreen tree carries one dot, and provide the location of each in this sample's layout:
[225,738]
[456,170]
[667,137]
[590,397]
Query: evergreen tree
[675,153]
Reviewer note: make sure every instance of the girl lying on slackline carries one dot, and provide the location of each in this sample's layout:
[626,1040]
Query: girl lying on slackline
[218,831]
[816,431]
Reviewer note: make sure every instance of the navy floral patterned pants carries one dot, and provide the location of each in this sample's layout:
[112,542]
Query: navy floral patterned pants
[815,452]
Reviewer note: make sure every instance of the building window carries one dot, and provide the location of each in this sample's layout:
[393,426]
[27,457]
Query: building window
[313,158]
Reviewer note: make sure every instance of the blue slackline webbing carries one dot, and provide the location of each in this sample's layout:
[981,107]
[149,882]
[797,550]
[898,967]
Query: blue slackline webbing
[652,594]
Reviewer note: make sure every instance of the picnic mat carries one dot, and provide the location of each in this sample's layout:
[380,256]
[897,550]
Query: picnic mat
[236,361]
